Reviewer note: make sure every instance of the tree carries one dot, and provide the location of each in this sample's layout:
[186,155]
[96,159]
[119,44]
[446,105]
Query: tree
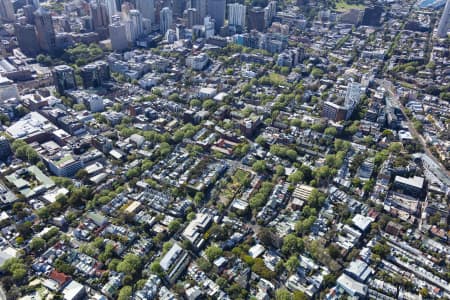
[260,268]
[333,251]
[296,177]
[259,166]
[292,263]
[213,252]
[291,154]
[190,216]
[292,244]
[299,295]
[204,264]
[156,268]
[37,244]
[331,131]
[125,293]
[283,294]
[279,170]
[19,274]
[174,225]
[209,104]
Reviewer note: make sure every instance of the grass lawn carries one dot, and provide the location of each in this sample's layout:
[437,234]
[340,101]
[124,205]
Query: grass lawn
[342,6]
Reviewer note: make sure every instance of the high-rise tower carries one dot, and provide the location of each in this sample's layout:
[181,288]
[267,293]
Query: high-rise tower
[216,9]
[45,31]
[443,23]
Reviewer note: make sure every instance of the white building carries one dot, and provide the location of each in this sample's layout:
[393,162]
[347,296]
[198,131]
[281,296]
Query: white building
[96,104]
[197,62]
[237,14]
[165,20]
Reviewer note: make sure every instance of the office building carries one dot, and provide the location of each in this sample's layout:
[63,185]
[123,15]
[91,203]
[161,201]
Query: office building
[191,16]
[26,38]
[28,12]
[174,263]
[95,74]
[111,7]
[118,36]
[209,25]
[100,19]
[45,31]
[96,104]
[413,186]
[64,164]
[165,20]
[237,14]
[269,13]
[256,19]
[5,148]
[372,16]
[443,23]
[147,9]
[178,7]
[333,111]
[136,24]
[216,10]
[200,7]
[7,11]
[64,78]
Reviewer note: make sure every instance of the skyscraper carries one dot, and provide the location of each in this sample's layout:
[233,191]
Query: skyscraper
[256,19]
[26,38]
[136,24]
[7,11]
[28,12]
[165,20]
[443,23]
[95,74]
[237,14]
[64,78]
[178,7]
[216,9]
[200,6]
[99,14]
[118,36]
[147,9]
[111,7]
[45,31]
[269,12]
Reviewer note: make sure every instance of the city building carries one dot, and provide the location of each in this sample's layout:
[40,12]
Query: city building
[256,19]
[147,9]
[63,164]
[111,7]
[5,148]
[95,74]
[45,31]
[178,7]
[96,104]
[237,14]
[216,10]
[136,27]
[99,16]
[197,62]
[200,10]
[64,78]
[27,38]
[333,111]
[174,263]
[165,20]
[411,186]
[444,21]
[118,36]
[7,11]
